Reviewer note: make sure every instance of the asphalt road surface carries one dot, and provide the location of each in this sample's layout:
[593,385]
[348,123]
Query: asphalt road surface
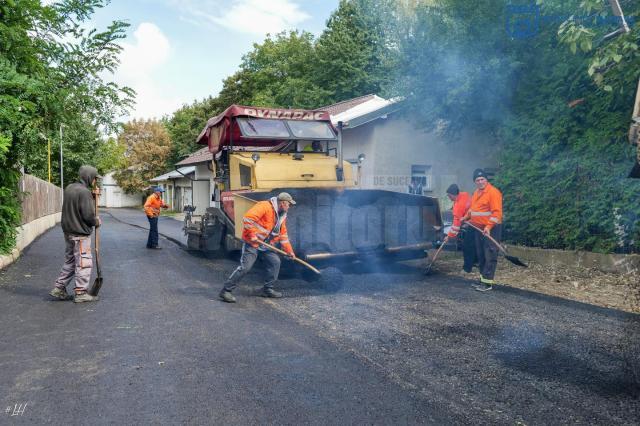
[391,348]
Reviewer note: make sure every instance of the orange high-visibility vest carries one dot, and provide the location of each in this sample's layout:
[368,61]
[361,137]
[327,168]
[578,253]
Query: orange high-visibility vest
[263,221]
[152,205]
[486,207]
[460,208]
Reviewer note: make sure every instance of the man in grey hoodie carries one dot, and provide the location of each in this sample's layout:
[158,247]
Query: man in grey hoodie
[78,220]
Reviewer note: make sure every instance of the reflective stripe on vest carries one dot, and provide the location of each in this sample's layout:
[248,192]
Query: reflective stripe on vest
[480,213]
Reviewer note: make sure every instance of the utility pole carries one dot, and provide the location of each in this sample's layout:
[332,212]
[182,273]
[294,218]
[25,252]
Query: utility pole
[49,156]
[61,166]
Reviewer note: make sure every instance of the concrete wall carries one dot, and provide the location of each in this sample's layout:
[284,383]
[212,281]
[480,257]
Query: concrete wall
[611,263]
[39,198]
[393,145]
[41,210]
[201,196]
[27,233]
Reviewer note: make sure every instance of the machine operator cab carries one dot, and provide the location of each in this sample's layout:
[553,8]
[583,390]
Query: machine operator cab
[262,149]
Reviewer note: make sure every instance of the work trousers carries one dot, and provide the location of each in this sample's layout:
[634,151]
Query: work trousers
[487,252]
[247,260]
[152,241]
[78,262]
[468,248]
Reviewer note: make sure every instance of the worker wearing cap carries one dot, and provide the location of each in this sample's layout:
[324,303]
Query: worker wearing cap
[485,213]
[265,221]
[461,204]
[78,221]
[152,209]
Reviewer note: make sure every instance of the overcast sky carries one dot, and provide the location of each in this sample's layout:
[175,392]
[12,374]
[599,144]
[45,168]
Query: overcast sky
[177,51]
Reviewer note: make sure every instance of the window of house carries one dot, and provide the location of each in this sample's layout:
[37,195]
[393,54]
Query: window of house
[422,174]
[245,175]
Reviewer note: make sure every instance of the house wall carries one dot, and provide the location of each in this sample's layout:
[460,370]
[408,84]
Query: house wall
[114,196]
[392,146]
[202,188]
[177,192]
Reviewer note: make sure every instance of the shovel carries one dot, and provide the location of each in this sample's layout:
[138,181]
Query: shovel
[428,270]
[511,259]
[300,261]
[97,283]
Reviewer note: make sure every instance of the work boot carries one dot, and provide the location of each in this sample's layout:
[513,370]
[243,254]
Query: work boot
[269,292]
[483,287]
[226,296]
[155,248]
[85,297]
[60,294]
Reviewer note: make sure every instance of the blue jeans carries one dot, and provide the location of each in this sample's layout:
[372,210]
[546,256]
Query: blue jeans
[152,241]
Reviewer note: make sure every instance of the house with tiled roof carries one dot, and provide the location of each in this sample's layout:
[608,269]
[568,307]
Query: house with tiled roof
[190,183]
[397,153]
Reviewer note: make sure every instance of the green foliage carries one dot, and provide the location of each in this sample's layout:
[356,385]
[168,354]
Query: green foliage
[50,74]
[9,208]
[280,72]
[560,135]
[185,125]
[110,156]
[565,157]
[354,57]
[293,70]
[458,66]
[613,63]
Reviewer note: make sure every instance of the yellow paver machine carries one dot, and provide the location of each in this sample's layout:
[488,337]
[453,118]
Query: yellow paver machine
[260,152]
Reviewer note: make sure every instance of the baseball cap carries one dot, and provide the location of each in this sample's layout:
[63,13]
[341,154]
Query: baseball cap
[285,196]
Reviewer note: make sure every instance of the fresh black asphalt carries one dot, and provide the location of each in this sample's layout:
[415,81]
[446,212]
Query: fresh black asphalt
[159,348]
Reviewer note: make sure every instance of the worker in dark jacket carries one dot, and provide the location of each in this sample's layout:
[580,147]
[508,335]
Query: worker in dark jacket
[78,221]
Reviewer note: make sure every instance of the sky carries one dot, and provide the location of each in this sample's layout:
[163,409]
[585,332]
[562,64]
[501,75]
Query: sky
[179,51]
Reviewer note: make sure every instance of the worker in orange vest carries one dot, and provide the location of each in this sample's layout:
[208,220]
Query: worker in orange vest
[152,209]
[461,204]
[485,213]
[265,221]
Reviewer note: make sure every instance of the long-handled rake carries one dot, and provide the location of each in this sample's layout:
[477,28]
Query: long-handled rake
[282,252]
[433,260]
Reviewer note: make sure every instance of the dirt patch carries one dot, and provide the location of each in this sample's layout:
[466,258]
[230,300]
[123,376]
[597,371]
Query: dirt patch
[617,291]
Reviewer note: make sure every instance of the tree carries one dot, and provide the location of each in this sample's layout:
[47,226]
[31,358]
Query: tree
[279,72]
[147,147]
[613,63]
[354,53]
[185,125]
[458,64]
[50,73]
[110,156]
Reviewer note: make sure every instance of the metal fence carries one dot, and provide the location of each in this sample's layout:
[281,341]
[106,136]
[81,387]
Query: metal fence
[39,198]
